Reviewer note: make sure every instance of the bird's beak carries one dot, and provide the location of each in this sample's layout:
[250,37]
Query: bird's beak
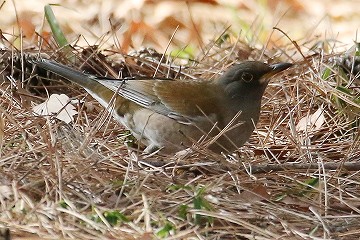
[275,68]
[278,67]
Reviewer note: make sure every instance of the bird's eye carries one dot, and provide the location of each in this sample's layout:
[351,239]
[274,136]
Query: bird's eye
[247,77]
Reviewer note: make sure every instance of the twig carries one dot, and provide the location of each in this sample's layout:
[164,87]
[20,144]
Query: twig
[349,166]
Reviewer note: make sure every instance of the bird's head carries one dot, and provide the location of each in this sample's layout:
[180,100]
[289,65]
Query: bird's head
[249,78]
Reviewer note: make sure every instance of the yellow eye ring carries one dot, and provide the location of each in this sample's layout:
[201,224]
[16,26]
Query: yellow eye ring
[247,77]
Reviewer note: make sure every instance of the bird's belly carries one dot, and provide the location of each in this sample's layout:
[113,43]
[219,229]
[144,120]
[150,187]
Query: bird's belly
[159,131]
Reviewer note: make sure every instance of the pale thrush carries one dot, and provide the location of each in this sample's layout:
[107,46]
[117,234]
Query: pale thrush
[172,115]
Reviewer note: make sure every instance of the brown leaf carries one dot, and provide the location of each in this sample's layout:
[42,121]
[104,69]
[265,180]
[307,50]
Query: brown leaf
[258,193]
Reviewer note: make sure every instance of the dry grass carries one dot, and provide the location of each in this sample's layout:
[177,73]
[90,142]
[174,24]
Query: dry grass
[79,180]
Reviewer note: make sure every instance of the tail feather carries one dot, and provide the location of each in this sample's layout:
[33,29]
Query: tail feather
[89,83]
[80,78]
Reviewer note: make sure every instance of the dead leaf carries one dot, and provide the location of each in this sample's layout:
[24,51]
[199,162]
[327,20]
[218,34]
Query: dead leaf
[258,193]
[313,122]
[5,192]
[59,105]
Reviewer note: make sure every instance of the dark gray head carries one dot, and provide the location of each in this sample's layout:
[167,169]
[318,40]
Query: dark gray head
[249,79]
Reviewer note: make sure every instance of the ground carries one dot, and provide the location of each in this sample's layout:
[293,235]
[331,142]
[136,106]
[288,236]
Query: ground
[296,178]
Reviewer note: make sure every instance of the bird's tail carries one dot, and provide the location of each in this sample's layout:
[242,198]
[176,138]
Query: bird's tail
[88,82]
[71,74]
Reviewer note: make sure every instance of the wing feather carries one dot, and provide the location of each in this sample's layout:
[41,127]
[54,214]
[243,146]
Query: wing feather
[182,100]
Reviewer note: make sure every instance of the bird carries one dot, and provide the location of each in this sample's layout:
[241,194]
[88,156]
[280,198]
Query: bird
[171,115]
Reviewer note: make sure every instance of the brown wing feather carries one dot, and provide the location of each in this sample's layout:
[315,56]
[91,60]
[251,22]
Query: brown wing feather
[181,100]
[187,98]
